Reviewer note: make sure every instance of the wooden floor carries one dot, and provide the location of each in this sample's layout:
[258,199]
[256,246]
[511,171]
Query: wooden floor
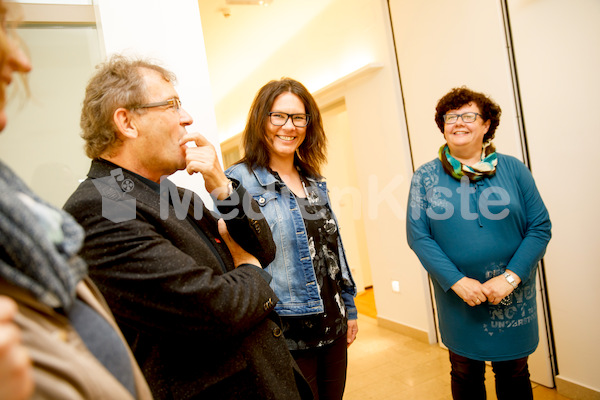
[365,303]
[383,364]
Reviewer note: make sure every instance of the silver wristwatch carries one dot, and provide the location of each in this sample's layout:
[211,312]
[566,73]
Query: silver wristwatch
[510,279]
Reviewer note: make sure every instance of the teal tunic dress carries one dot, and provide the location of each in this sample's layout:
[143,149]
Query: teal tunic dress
[478,230]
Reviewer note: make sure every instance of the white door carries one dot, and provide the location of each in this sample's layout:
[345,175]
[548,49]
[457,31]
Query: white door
[340,173]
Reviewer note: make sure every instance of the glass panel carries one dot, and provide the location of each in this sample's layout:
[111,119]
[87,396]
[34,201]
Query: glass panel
[42,140]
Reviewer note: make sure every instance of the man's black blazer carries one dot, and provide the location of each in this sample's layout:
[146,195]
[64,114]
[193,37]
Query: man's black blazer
[198,326]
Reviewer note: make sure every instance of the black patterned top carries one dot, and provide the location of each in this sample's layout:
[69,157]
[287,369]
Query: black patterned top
[309,331]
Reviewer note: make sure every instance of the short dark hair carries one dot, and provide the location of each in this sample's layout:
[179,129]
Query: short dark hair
[458,97]
[311,154]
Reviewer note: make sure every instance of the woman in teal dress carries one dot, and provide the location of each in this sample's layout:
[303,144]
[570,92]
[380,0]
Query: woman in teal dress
[479,227]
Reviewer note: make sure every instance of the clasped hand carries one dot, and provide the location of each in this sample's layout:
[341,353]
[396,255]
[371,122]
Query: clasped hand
[474,292]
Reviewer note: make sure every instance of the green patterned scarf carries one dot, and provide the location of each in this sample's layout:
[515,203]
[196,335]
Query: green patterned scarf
[475,172]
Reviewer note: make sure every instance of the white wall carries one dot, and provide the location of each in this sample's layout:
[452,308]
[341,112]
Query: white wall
[41,141]
[169,32]
[557,51]
[442,45]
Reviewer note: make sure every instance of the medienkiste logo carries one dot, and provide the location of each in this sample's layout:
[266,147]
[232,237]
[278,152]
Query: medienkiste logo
[117,205]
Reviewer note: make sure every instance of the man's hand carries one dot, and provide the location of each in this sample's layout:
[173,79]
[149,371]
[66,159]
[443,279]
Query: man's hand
[16,379]
[240,256]
[203,159]
[470,290]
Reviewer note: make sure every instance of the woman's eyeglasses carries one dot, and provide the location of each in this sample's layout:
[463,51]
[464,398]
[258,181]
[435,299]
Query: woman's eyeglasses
[466,117]
[280,119]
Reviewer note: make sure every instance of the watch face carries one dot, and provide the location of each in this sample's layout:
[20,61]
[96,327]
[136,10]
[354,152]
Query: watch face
[510,279]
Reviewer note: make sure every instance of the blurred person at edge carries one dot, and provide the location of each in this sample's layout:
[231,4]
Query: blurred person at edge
[47,349]
[479,227]
[16,371]
[16,378]
[285,147]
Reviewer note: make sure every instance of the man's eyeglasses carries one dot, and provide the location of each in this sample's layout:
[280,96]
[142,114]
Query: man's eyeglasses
[280,119]
[466,117]
[174,102]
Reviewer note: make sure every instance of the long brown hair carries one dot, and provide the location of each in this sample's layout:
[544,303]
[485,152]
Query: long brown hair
[311,154]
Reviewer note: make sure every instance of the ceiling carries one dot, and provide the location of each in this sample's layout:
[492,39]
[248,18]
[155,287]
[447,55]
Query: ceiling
[239,40]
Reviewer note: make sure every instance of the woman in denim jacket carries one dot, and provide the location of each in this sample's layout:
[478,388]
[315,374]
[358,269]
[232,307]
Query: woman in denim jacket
[285,147]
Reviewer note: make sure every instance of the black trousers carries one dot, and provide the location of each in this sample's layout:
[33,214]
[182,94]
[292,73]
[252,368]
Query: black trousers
[468,376]
[325,368]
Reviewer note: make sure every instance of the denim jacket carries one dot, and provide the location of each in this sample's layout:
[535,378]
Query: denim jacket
[294,279]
